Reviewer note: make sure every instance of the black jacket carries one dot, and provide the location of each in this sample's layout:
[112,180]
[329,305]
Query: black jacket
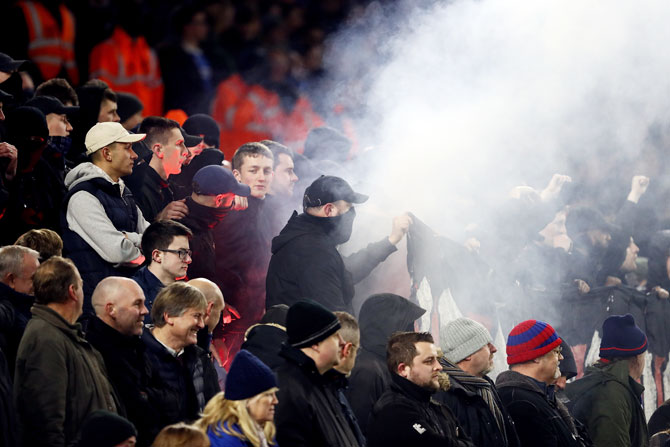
[8,432]
[305,263]
[14,316]
[201,220]
[130,375]
[474,413]
[540,420]
[182,380]
[406,415]
[154,195]
[381,315]
[265,342]
[308,413]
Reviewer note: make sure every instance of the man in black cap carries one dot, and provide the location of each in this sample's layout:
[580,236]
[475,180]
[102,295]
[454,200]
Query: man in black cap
[58,123]
[309,413]
[305,260]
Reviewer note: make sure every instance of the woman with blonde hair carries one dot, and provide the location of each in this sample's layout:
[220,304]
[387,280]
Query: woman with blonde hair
[243,415]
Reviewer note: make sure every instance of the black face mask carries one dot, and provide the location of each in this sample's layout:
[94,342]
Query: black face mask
[210,215]
[340,227]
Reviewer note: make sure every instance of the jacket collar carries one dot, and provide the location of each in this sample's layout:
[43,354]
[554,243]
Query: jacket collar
[20,301]
[109,336]
[300,359]
[514,379]
[52,317]
[619,371]
[410,389]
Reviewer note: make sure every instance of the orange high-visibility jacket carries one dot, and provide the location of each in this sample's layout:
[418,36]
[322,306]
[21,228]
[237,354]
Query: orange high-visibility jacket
[50,48]
[129,65]
[296,125]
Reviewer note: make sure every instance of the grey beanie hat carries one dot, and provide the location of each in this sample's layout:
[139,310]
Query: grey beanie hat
[463,337]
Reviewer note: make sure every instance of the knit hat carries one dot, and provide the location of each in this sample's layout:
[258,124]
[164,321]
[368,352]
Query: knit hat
[204,126]
[308,323]
[127,105]
[622,337]
[105,429]
[248,377]
[529,340]
[462,337]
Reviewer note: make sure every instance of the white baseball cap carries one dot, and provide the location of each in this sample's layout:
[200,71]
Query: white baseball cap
[104,134]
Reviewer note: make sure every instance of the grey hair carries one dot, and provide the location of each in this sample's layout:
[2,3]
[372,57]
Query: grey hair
[11,259]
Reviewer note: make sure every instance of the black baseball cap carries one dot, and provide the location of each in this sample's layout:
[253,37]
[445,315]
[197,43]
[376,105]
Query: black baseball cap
[8,65]
[190,140]
[51,104]
[214,180]
[329,189]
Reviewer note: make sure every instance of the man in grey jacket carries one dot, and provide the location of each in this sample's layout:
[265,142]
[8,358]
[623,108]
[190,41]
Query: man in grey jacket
[102,226]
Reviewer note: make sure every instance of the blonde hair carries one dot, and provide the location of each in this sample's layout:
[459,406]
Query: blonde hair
[220,414]
[181,435]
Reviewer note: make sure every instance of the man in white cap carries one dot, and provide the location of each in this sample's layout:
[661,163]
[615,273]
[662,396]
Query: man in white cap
[102,226]
[472,396]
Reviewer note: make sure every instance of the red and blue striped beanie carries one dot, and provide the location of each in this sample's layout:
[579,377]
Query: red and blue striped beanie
[529,340]
[622,337]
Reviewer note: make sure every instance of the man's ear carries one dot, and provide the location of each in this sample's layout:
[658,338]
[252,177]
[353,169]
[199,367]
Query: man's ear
[157,149]
[237,175]
[9,279]
[403,370]
[109,309]
[330,210]
[156,256]
[168,319]
[72,292]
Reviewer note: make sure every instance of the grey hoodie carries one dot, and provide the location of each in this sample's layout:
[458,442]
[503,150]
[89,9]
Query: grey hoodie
[86,216]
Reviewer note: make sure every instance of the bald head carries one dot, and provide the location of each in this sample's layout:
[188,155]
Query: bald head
[119,302]
[214,297]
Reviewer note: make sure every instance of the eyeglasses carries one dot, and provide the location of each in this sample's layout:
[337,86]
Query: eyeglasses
[183,253]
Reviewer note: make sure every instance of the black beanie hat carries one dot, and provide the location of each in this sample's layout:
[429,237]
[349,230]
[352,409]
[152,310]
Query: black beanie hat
[205,126]
[622,337]
[248,377]
[105,429]
[327,143]
[308,323]
[127,105]
[276,314]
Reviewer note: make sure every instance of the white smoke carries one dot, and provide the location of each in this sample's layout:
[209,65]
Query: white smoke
[469,98]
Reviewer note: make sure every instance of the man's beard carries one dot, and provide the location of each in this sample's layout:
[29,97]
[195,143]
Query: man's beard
[557,373]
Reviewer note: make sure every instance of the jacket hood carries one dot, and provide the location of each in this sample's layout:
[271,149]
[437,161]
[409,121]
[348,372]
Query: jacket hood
[298,225]
[383,314]
[84,172]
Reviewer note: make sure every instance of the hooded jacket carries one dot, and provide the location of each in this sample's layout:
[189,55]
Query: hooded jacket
[102,226]
[540,419]
[305,263]
[607,401]
[309,412]
[381,315]
[406,415]
[60,379]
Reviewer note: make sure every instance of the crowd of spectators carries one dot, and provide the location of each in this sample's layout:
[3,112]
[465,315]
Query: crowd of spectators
[172,200]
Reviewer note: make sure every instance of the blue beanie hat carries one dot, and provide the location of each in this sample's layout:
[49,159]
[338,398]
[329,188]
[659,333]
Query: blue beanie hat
[622,337]
[248,377]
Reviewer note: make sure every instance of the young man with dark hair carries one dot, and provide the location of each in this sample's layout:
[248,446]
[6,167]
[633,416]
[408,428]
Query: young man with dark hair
[243,247]
[54,359]
[406,414]
[166,244]
[58,88]
[281,201]
[168,152]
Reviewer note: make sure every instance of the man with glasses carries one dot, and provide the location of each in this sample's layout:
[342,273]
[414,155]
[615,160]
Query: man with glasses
[166,244]
[527,389]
